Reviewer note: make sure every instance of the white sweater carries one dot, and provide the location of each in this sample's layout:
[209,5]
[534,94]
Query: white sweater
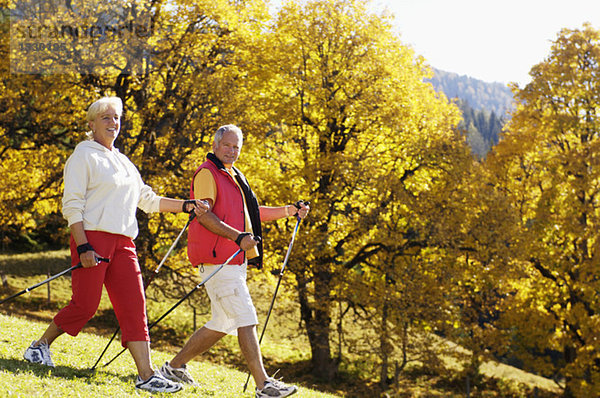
[103,189]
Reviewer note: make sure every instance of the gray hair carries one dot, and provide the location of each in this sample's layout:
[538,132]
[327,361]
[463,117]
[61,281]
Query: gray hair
[100,106]
[224,129]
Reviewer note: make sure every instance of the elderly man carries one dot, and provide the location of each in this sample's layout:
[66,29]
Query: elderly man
[233,221]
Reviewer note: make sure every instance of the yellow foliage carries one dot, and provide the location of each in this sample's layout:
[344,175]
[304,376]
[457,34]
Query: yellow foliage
[547,163]
[407,233]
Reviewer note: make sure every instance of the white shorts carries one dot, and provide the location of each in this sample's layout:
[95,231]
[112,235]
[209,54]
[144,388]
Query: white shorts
[230,301]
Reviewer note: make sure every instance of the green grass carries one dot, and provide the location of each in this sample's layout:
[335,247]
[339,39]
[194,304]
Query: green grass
[223,365]
[74,356]
[221,370]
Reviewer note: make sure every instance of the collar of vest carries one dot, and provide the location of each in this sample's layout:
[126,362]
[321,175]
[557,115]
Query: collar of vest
[239,176]
[213,158]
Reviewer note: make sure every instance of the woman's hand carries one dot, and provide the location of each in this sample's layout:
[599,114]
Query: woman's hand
[198,206]
[202,207]
[89,259]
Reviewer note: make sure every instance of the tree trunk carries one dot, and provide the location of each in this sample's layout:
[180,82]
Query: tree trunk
[384,348]
[4,279]
[317,321]
[570,355]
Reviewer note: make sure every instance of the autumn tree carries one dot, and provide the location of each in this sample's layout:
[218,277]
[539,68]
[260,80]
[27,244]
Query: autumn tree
[37,124]
[179,72]
[356,131]
[547,164]
[192,84]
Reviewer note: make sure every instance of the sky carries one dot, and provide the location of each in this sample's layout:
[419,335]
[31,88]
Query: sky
[491,40]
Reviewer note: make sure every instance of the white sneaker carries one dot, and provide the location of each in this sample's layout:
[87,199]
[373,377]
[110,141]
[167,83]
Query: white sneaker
[39,354]
[180,375]
[157,383]
[275,388]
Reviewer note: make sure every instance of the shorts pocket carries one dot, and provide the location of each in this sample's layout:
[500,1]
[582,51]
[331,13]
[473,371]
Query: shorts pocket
[232,302]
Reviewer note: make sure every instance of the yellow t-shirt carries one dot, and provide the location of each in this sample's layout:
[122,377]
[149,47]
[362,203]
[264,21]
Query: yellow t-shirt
[205,187]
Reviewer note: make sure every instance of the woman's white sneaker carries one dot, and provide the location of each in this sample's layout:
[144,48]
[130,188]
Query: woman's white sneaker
[39,354]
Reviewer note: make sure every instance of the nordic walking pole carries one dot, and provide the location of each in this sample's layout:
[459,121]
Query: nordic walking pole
[192,215]
[287,255]
[198,286]
[30,288]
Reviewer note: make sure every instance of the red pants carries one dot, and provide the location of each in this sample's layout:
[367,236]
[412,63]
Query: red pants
[123,281]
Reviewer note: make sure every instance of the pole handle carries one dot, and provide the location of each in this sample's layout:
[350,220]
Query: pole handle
[297,206]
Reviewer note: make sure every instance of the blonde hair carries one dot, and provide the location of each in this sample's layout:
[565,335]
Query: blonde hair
[102,105]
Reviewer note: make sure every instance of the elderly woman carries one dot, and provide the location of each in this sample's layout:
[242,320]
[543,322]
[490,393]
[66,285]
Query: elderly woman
[102,191]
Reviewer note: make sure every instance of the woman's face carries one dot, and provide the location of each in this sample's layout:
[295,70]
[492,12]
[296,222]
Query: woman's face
[106,127]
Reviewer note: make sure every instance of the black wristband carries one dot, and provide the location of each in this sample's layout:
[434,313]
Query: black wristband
[241,236]
[86,247]
[185,202]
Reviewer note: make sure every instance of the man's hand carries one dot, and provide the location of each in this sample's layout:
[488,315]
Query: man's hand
[247,241]
[302,208]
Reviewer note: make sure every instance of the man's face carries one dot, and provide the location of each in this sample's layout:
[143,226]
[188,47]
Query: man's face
[228,149]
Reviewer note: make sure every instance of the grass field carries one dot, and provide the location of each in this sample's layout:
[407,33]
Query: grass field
[74,356]
[220,371]
[23,319]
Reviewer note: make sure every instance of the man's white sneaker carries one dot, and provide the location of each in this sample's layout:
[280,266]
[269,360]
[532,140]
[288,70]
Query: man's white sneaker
[180,375]
[157,383]
[39,354]
[275,388]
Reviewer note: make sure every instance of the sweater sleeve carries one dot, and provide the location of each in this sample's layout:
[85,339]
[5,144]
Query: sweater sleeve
[76,177]
[149,201]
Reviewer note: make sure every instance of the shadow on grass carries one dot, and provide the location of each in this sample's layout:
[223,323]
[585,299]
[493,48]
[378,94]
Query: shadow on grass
[298,372]
[65,372]
[34,309]
[31,264]
[38,309]
[301,372]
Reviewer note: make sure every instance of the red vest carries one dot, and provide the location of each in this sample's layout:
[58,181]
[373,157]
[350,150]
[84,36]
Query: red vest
[204,246]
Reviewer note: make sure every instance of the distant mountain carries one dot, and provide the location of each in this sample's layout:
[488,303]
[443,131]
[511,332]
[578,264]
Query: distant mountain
[481,128]
[495,97]
[485,107]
